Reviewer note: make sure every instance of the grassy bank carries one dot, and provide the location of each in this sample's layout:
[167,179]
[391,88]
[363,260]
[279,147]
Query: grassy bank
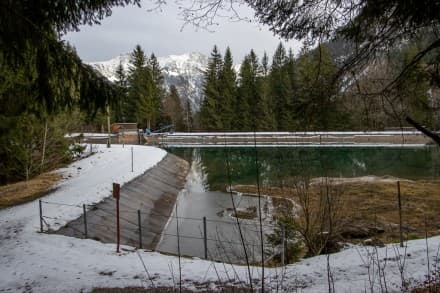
[24,191]
[364,207]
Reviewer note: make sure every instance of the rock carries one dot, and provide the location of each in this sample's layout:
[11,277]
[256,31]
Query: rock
[373,242]
[356,231]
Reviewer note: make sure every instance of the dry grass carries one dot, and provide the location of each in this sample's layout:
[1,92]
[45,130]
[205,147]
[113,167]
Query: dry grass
[431,289]
[374,203]
[250,213]
[24,191]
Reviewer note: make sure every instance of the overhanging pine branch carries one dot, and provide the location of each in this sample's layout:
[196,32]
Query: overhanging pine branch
[425,131]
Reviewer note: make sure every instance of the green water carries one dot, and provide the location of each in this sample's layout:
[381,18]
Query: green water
[278,164]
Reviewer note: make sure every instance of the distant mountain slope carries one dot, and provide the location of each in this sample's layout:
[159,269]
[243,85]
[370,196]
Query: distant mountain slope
[184,71]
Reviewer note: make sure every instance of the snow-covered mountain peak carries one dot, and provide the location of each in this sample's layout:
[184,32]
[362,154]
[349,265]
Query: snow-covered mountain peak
[184,60]
[108,68]
[184,71]
[185,64]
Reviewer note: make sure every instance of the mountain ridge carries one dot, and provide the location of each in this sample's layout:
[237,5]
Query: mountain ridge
[185,71]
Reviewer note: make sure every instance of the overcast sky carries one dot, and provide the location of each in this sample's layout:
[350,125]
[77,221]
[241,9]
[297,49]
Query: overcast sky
[160,32]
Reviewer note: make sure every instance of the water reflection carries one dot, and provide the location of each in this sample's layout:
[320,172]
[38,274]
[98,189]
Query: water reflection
[223,236]
[278,164]
[204,194]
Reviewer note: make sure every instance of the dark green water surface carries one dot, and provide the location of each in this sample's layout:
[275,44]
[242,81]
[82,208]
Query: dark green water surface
[279,164]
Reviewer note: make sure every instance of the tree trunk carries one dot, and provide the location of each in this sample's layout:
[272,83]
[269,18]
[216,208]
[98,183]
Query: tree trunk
[108,125]
[43,154]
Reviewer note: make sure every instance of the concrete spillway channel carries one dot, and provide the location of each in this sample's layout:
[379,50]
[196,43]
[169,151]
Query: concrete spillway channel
[153,193]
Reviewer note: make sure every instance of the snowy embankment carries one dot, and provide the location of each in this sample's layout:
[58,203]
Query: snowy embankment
[52,263]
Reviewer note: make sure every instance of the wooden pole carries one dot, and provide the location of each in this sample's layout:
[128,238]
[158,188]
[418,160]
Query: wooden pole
[43,153]
[108,125]
[178,250]
[123,137]
[140,228]
[85,221]
[116,195]
[118,233]
[131,159]
[283,244]
[205,238]
[400,214]
[41,215]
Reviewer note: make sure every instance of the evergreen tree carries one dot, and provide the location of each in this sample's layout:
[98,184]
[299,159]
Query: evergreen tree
[157,90]
[243,120]
[210,116]
[317,90]
[30,141]
[30,33]
[259,113]
[411,97]
[120,104]
[292,102]
[140,103]
[266,93]
[184,94]
[265,64]
[227,91]
[188,118]
[173,110]
[41,80]
[281,90]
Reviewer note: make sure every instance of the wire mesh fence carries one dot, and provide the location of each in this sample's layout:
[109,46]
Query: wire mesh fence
[377,214]
[198,237]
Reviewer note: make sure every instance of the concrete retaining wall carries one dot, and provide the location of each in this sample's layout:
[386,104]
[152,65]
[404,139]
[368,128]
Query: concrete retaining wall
[293,138]
[154,193]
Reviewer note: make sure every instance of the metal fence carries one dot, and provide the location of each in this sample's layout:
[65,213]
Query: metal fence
[232,240]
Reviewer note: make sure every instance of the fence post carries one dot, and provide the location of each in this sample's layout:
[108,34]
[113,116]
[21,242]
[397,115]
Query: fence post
[131,159]
[400,214]
[283,244]
[85,221]
[41,215]
[116,195]
[205,238]
[140,228]
[123,138]
[91,149]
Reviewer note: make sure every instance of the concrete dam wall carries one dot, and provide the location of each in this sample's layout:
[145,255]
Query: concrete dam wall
[153,194]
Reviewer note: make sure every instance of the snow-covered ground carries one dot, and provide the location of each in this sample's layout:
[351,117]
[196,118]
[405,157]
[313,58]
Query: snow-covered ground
[31,261]
[89,134]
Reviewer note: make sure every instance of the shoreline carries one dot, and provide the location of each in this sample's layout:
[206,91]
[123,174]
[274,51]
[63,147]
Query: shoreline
[367,202]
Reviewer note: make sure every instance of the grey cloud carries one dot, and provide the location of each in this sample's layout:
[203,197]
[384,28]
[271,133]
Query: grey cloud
[159,32]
